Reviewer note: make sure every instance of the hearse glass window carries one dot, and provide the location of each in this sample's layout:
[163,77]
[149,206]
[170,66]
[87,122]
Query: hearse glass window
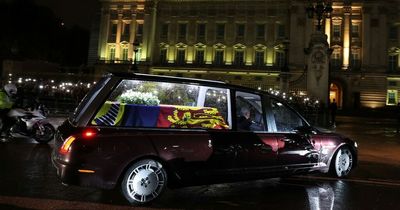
[249,115]
[286,120]
[153,104]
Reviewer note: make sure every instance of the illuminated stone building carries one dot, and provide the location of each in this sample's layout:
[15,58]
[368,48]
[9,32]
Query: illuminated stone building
[249,42]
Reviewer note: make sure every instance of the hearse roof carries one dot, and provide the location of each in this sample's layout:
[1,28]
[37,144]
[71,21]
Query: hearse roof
[128,75]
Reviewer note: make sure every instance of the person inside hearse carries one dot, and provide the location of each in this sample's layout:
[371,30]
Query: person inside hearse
[244,121]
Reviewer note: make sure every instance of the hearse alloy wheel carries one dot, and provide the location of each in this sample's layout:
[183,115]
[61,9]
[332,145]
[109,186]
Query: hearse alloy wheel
[144,181]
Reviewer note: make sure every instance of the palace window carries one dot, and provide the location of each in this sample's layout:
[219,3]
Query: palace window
[336,59]
[281,31]
[240,28]
[393,62]
[125,53]
[125,32]
[355,30]
[336,31]
[260,31]
[139,32]
[199,56]
[259,58]
[164,31]
[112,53]
[393,32]
[114,29]
[163,56]
[113,32]
[182,30]
[355,59]
[219,57]
[392,97]
[201,30]
[280,59]
[220,31]
[180,57]
[239,58]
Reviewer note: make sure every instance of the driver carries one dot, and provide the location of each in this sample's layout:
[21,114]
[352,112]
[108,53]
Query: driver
[6,93]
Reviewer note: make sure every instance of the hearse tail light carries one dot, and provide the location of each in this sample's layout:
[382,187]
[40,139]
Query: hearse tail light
[89,134]
[67,145]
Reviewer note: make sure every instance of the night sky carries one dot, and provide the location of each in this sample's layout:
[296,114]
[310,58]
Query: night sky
[73,12]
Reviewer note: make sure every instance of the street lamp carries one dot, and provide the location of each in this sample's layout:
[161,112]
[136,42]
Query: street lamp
[134,67]
[322,9]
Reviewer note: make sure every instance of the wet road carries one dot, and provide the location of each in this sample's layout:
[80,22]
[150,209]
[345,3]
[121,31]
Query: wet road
[28,181]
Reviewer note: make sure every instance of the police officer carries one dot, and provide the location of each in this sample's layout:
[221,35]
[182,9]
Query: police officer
[6,103]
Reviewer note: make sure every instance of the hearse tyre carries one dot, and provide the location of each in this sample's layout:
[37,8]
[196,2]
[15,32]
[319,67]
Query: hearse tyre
[144,181]
[342,162]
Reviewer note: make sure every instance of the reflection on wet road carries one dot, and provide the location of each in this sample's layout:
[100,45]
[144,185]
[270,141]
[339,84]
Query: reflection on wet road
[28,180]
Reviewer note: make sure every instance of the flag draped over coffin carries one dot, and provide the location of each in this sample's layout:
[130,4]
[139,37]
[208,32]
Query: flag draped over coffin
[162,116]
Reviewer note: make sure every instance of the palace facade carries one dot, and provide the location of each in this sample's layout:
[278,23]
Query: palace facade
[254,43]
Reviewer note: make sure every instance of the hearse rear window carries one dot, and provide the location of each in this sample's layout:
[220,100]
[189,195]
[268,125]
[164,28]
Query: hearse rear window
[153,104]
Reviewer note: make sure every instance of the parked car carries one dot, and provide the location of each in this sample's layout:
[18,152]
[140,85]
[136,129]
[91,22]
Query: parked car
[143,133]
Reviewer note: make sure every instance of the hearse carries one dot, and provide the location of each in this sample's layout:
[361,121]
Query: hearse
[142,133]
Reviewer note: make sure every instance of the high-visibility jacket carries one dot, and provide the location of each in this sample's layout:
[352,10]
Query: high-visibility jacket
[5,102]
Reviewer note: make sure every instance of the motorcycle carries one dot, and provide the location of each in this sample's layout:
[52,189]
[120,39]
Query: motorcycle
[31,124]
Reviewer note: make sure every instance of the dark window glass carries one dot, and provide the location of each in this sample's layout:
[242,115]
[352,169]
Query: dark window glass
[125,54]
[201,30]
[220,31]
[259,58]
[355,60]
[200,56]
[219,57]
[113,29]
[393,62]
[182,30]
[249,115]
[164,30]
[286,120]
[126,29]
[240,30]
[239,58]
[139,30]
[393,32]
[281,31]
[163,56]
[355,30]
[260,31]
[180,57]
[280,59]
[336,31]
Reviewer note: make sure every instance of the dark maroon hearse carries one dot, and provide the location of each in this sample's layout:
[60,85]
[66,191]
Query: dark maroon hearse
[144,132]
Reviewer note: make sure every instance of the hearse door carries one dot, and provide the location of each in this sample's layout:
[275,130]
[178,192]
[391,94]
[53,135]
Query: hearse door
[295,148]
[248,147]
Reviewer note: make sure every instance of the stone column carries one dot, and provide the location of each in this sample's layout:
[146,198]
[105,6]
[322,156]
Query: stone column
[152,32]
[346,37]
[104,29]
[366,36]
[118,37]
[149,30]
[132,35]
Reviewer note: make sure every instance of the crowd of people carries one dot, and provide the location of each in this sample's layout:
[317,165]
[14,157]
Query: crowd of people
[55,95]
